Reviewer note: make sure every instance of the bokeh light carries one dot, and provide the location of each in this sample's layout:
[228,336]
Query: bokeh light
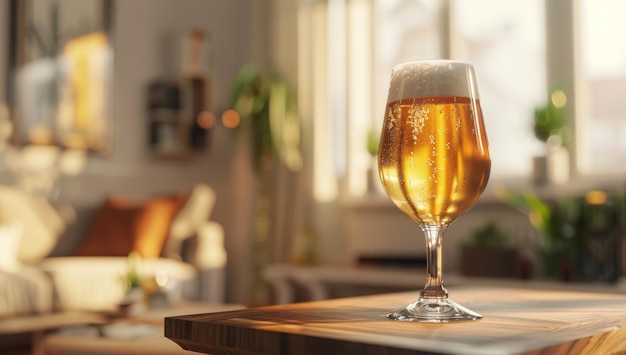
[206,119]
[231,118]
[558,98]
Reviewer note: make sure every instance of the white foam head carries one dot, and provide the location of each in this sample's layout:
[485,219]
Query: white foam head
[432,78]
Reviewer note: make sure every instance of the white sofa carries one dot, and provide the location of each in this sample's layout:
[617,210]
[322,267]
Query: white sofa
[32,281]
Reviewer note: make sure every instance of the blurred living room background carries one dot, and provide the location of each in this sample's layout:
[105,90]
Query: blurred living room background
[272,110]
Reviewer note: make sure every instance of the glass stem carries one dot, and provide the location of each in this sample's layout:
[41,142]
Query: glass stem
[434,281]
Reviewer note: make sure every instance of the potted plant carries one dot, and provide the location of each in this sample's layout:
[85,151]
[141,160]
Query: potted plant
[550,127]
[580,234]
[267,107]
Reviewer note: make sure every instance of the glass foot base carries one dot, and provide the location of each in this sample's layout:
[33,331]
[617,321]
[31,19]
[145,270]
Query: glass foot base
[434,310]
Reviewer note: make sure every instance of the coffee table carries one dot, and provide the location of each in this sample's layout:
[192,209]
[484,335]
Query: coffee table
[39,325]
[138,334]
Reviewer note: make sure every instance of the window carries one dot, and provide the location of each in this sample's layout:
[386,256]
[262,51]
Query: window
[602,37]
[507,41]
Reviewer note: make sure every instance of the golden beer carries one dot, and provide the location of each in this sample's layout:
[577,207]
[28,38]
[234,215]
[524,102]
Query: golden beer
[433,160]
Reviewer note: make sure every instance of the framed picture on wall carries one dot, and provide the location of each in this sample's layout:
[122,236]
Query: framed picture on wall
[60,73]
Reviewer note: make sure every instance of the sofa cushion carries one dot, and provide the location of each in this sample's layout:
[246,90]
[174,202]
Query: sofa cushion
[110,233]
[10,238]
[40,222]
[153,224]
[97,283]
[120,227]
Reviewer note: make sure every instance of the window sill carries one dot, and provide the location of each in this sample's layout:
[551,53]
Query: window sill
[574,187]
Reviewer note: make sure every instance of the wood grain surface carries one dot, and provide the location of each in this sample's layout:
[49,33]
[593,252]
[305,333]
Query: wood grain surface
[516,321]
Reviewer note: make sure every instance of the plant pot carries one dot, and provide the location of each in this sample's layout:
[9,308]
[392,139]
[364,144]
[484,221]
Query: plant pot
[490,262]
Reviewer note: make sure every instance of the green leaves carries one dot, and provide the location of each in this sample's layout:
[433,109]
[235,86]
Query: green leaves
[268,107]
[373,141]
[550,120]
[570,219]
[554,220]
[529,203]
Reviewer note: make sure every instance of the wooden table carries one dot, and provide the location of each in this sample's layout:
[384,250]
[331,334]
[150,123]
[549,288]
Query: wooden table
[516,321]
[89,342]
[37,326]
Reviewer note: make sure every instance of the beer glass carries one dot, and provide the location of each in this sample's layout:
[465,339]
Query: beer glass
[434,164]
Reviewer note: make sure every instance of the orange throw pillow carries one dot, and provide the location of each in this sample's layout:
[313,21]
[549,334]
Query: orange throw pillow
[120,227]
[152,225]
